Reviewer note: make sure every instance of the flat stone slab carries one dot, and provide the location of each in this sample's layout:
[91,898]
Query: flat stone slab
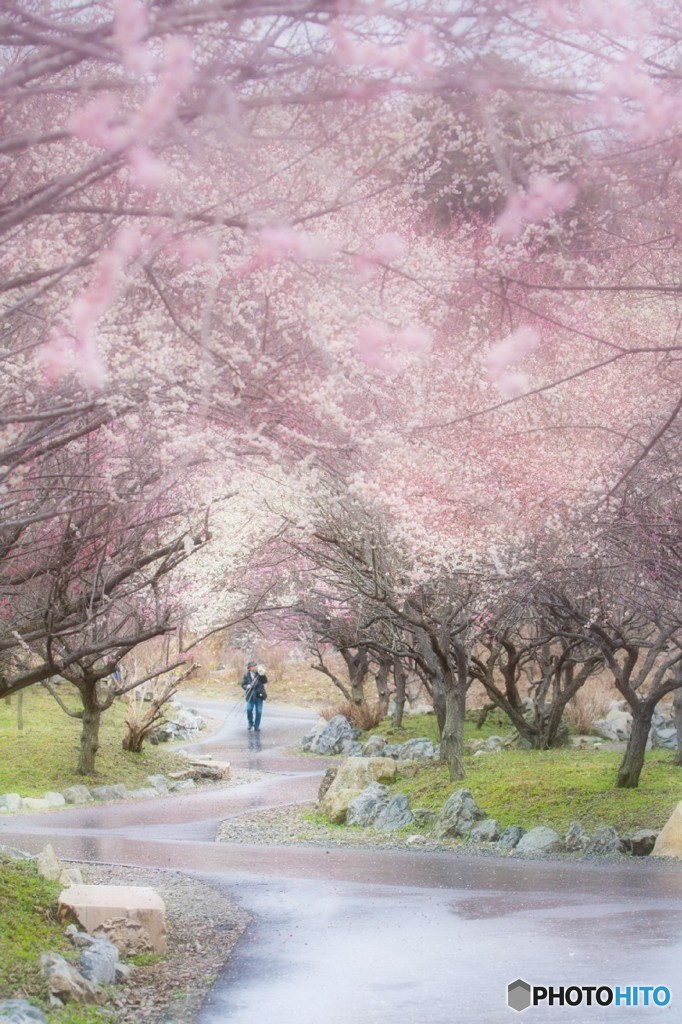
[132,917]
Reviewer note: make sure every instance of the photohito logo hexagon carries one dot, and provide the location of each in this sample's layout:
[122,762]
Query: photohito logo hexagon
[518,995]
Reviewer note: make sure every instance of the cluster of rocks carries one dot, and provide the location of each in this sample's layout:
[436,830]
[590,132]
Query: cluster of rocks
[616,726]
[337,736]
[182,724]
[120,919]
[355,793]
[199,770]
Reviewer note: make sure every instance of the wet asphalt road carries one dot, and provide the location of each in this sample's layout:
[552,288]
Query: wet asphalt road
[380,937]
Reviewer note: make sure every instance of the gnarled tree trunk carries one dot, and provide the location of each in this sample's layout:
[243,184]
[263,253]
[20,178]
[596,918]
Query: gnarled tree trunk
[677,712]
[399,677]
[92,714]
[631,766]
[452,736]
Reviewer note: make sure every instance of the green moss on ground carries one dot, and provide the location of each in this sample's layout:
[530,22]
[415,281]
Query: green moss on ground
[417,726]
[556,787]
[29,927]
[44,755]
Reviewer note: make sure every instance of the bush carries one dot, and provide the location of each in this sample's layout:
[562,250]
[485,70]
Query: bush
[590,702]
[361,716]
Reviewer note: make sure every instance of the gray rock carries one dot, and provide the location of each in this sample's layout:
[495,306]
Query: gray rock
[65,984]
[395,814]
[312,734]
[664,737]
[510,837]
[77,795]
[577,839]
[123,972]
[374,747]
[459,814]
[351,748]
[116,792]
[538,841]
[10,802]
[392,750]
[327,780]
[182,785]
[79,939]
[54,799]
[642,842]
[34,803]
[605,842]
[617,725]
[183,718]
[159,782]
[424,818]
[365,807]
[490,745]
[420,749]
[98,962]
[18,1011]
[332,736]
[48,864]
[145,791]
[485,832]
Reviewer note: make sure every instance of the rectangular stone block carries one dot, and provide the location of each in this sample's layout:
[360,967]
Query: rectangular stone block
[132,917]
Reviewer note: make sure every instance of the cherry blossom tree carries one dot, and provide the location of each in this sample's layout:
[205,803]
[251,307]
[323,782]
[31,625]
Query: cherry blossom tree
[314,242]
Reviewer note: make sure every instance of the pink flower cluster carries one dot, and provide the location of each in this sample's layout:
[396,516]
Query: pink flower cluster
[75,348]
[544,199]
[660,113]
[386,250]
[130,28]
[380,347]
[104,123]
[505,354]
[282,242]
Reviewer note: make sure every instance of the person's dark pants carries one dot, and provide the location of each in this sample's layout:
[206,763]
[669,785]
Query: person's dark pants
[254,710]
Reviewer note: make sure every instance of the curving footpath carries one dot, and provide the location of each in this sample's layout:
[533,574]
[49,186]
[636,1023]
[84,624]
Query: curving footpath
[371,936]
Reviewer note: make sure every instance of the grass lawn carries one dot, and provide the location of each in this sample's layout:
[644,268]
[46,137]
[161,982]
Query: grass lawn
[43,756]
[29,927]
[556,787]
[496,724]
[552,787]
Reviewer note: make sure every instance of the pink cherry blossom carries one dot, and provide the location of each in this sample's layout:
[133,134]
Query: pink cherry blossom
[281,242]
[544,199]
[146,170]
[130,27]
[510,351]
[99,123]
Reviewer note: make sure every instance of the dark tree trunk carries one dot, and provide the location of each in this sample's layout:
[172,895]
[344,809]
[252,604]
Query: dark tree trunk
[358,667]
[677,713]
[399,677]
[382,684]
[89,733]
[439,706]
[631,766]
[452,736]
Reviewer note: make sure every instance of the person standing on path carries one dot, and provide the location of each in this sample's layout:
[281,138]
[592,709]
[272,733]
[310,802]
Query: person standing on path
[253,685]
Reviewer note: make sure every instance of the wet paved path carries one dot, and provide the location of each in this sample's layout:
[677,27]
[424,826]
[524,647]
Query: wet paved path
[379,937]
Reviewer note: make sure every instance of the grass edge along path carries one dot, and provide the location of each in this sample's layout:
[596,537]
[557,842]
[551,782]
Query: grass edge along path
[43,755]
[29,927]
